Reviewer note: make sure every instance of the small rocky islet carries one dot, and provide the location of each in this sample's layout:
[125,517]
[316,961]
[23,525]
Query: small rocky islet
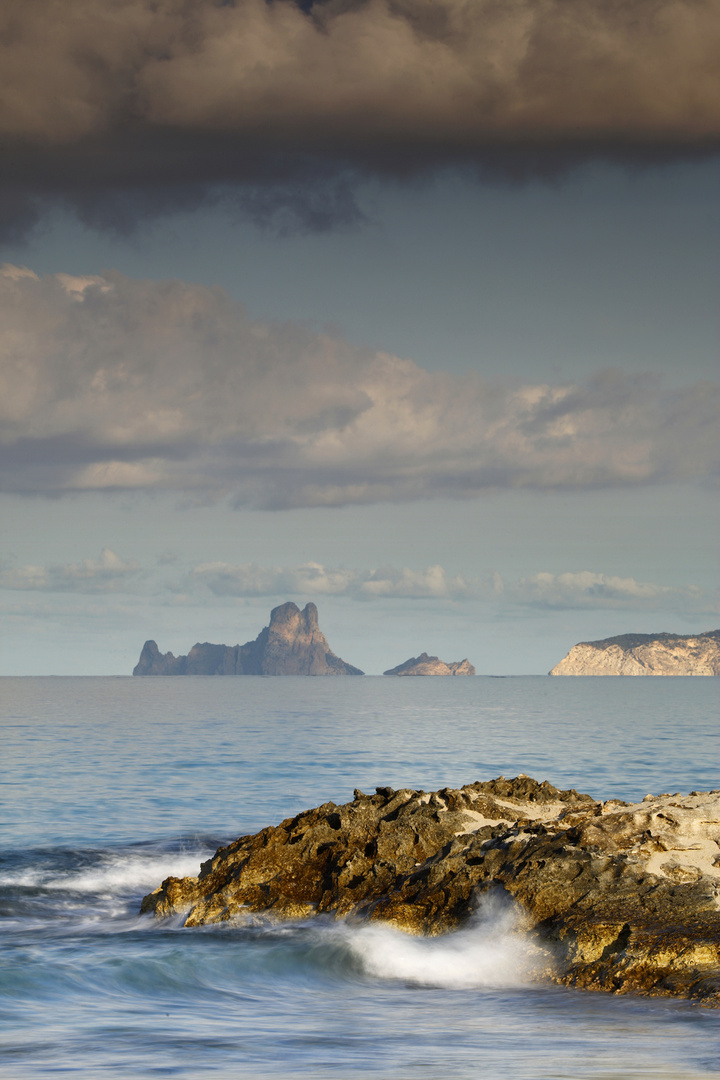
[431,665]
[623,896]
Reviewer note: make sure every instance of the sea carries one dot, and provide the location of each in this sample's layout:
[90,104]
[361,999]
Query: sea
[110,785]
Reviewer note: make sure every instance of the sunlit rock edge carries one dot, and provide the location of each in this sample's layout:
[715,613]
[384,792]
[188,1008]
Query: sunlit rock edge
[644,654]
[431,665]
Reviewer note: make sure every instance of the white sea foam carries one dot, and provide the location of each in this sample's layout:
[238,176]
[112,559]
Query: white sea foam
[24,879]
[493,951]
[124,873]
[117,873]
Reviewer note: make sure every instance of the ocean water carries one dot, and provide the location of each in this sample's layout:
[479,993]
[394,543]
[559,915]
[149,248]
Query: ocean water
[111,784]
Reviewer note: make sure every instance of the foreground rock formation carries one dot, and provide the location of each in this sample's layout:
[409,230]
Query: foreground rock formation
[626,895]
[291,645]
[644,654]
[430,665]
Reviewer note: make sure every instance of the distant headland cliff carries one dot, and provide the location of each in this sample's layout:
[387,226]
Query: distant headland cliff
[645,654]
[430,665]
[291,645]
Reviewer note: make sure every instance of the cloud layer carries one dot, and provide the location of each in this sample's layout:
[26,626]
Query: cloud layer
[130,108]
[569,591]
[111,384]
[314,579]
[573,590]
[587,589]
[108,573]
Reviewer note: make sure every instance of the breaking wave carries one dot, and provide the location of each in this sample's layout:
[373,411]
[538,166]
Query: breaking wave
[108,873]
[494,950]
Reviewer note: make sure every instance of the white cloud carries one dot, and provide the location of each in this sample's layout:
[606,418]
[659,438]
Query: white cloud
[430,584]
[313,579]
[587,589]
[108,573]
[13,272]
[111,384]
[573,590]
[74,285]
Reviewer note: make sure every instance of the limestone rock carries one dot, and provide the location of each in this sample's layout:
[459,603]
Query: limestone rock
[291,645]
[644,654]
[430,665]
[625,894]
[153,662]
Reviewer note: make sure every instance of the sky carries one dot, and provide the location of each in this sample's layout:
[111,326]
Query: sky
[405,308]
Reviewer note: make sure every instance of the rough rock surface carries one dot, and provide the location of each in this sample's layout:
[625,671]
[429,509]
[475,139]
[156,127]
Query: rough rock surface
[291,645]
[644,654]
[430,665]
[625,894]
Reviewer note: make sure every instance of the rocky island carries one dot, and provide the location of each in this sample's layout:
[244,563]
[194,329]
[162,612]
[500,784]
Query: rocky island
[645,654]
[430,665]
[623,897]
[291,645]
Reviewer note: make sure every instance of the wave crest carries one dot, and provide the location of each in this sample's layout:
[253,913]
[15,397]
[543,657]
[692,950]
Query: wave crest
[494,950]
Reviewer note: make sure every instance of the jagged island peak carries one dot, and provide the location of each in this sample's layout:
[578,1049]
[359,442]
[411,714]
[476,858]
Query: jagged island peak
[292,644]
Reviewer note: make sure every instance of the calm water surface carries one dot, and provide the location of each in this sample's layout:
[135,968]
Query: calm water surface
[109,785]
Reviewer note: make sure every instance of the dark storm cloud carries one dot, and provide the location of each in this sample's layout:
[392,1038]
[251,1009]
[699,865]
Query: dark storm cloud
[111,384]
[139,107]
